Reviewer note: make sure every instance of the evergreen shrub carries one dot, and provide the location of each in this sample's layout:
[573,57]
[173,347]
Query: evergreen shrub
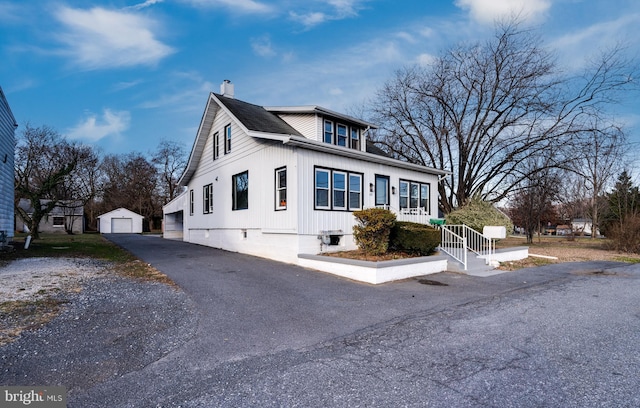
[414,238]
[372,231]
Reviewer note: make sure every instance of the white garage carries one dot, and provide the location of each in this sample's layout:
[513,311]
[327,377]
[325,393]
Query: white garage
[120,221]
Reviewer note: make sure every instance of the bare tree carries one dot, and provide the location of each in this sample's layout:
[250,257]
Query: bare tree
[532,204]
[44,161]
[170,158]
[130,182]
[599,153]
[481,109]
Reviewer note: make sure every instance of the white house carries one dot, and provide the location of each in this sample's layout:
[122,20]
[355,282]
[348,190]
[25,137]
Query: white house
[281,181]
[120,221]
[66,217]
[7,148]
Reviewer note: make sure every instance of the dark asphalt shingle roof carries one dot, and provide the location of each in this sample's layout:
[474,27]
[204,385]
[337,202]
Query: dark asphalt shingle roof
[257,118]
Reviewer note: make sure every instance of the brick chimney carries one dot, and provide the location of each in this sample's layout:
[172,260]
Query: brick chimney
[226,89]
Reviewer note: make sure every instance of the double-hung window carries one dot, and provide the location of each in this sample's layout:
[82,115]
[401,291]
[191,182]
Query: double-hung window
[207,199]
[337,190]
[322,188]
[328,132]
[241,191]
[281,189]
[216,145]
[355,138]
[355,191]
[227,139]
[414,195]
[341,131]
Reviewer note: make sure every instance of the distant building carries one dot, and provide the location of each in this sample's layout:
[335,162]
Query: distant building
[120,221]
[8,127]
[67,216]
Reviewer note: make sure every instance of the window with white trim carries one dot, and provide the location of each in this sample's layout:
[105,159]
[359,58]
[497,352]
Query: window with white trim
[58,221]
[414,195]
[341,132]
[328,132]
[322,188]
[337,190]
[227,139]
[207,199]
[355,138]
[191,202]
[281,189]
[355,191]
[216,145]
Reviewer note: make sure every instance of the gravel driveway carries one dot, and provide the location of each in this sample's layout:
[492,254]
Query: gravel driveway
[244,331]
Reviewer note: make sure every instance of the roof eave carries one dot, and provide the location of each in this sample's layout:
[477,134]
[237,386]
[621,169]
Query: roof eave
[357,154]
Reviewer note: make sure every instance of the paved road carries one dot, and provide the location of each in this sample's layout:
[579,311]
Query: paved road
[271,334]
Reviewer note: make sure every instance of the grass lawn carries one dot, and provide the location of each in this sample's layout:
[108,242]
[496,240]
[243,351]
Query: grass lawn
[88,245]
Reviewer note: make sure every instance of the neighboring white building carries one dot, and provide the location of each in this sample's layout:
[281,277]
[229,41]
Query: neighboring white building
[281,181]
[120,221]
[66,217]
[8,127]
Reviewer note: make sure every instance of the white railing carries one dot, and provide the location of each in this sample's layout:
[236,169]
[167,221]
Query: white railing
[418,215]
[476,242]
[454,245]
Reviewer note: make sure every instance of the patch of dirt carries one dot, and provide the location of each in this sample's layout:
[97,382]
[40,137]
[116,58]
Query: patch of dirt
[563,250]
[361,256]
[32,290]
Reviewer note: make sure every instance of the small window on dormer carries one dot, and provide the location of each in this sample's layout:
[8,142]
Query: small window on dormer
[342,135]
[355,138]
[328,132]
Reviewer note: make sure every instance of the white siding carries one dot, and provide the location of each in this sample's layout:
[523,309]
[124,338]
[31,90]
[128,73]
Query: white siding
[7,148]
[312,221]
[108,220]
[305,123]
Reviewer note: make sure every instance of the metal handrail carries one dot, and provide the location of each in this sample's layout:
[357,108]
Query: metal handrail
[454,245]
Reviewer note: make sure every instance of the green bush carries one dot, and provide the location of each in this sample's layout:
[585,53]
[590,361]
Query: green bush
[419,239]
[477,214]
[373,229]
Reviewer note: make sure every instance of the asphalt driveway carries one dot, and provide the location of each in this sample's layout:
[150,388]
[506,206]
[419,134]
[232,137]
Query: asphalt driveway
[270,334]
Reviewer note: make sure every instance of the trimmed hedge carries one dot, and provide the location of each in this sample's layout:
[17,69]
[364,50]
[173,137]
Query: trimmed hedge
[372,232]
[419,239]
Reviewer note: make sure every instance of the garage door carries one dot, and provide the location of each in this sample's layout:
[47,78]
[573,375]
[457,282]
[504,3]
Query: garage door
[121,225]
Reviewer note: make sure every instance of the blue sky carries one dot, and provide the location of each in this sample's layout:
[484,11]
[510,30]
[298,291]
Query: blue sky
[124,74]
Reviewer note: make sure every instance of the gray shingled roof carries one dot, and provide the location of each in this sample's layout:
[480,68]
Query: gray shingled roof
[257,118]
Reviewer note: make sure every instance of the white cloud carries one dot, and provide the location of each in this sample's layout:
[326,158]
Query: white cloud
[147,3]
[99,38]
[403,35]
[93,128]
[332,10]
[310,19]
[488,11]
[242,6]
[11,13]
[574,48]
[263,47]
[425,59]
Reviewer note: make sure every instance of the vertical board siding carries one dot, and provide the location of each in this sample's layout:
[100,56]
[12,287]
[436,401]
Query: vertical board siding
[313,221]
[7,150]
[260,158]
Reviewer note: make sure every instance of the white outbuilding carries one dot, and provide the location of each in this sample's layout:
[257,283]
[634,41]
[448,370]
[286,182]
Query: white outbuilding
[120,221]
